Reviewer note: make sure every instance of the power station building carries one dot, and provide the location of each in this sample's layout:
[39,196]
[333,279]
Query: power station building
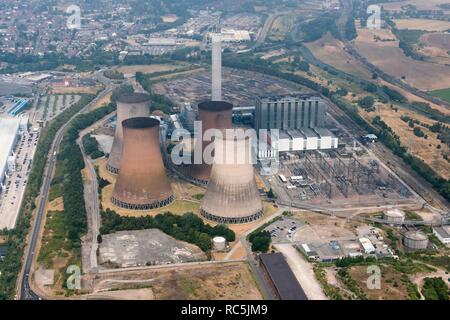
[297,111]
[142,183]
[128,106]
[9,134]
[213,115]
[232,195]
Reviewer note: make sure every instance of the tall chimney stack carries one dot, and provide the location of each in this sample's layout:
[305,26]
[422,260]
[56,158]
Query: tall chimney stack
[216,44]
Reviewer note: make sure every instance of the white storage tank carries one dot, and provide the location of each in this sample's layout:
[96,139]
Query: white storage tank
[395,216]
[415,240]
[219,243]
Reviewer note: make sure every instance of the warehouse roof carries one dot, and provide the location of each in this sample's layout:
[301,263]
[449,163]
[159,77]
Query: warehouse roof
[309,133]
[297,96]
[8,130]
[282,277]
[323,132]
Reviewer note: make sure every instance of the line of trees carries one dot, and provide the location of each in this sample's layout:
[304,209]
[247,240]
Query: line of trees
[71,159]
[91,146]
[10,267]
[187,227]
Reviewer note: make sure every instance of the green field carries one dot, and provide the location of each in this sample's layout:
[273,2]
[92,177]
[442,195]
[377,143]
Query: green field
[444,94]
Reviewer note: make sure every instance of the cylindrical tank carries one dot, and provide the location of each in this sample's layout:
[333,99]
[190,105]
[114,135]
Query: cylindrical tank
[415,240]
[232,195]
[219,243]
[213,115]
[142,183]
[395,216]
[128,106]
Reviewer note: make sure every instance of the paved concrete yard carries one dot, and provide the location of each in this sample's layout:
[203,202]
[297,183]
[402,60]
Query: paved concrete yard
[146,247]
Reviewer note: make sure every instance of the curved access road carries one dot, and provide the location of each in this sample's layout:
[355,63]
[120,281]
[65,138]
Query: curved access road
[24,291]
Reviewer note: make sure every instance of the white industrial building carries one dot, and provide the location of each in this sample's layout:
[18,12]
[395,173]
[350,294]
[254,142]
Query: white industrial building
[306,139]
[9,133]
[443,234]
[367,245]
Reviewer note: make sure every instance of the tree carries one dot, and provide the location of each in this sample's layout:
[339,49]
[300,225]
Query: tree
[435,289]
[261,243]
[271,194]
[366,102]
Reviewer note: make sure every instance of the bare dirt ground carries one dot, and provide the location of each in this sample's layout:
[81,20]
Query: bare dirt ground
[390,58]
[392,288]
[422,24]
[436,46]
[320,227]
[70,90]
[303,271]
[130,294]
[330,51]
[439,40]
[146,68]
[56,205]
[420,4]
[207,282]
[426,149]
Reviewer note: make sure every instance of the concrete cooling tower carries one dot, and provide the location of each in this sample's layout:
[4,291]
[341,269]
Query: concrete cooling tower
[232,195]
[142,183]
[213,115]
[128,106]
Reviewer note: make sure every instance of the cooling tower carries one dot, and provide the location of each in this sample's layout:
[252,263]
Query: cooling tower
[142,183]
[216,66]
[232,195]
[213,115]
[128,106]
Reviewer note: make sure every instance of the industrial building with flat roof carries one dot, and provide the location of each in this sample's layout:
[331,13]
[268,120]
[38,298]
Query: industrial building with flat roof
[281,277]
[296,111]
[9,132]
[443,234]
[306,139]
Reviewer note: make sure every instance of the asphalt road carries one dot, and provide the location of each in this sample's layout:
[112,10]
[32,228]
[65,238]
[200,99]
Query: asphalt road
[91,196]
[25,291]
[267,27]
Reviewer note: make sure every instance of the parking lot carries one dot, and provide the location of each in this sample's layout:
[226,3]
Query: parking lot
[12,194]
[283,230]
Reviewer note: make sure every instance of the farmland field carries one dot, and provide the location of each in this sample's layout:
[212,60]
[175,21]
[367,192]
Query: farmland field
[422,24]
[438,40]
[386,55]
[331,51]
[444,94]
[420,4]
